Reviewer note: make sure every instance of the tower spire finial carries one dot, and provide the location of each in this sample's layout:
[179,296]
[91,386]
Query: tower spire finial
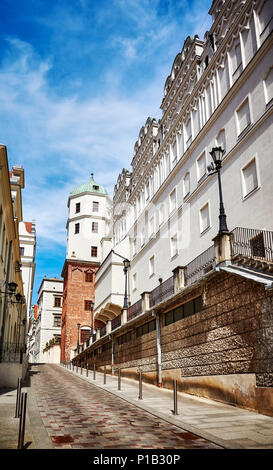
[92,175]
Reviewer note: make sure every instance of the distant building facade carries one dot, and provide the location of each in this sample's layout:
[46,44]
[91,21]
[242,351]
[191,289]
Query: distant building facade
[27,241]
[87,228]
[200,300]
[48,323]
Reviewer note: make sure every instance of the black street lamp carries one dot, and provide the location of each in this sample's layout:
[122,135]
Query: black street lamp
[126,264]
[215,167]
[78,342]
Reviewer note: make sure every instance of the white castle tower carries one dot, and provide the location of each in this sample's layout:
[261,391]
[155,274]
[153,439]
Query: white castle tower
[88,221]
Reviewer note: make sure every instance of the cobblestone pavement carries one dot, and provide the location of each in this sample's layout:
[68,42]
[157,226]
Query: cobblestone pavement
[79,415]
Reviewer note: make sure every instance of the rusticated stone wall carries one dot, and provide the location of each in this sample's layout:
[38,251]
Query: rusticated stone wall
[223,352]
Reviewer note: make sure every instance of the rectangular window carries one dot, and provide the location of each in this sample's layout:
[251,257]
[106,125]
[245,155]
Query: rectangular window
[22,250]
[77,228]
[250,180]
[94,251]
[151,266]
[88,277]
[188,133]
[78,207]
[134,244]
[243,116]
[85,334]
[134,281]
[174,245]
[161,214]
[221,139]
[57,320]
[95,227]
[95,206]
[57,301]
[201,166]
[186,184]
[189,308]
[142,236]
[236,59]
[87,305]
[173,200]
[204,218]
[268,85]
[146,328]
[151,226]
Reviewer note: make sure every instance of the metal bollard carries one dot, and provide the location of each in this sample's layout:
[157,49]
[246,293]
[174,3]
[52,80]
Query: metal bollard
[119,380]
[77,368]
[73,366]
[69,365]
[175,410]
[94,372]
[104,375]
[81,368]
[21,435]
[87,370]
[18,396]
[140,385]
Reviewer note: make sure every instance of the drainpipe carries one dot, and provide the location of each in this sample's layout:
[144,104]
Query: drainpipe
[5,303]
[158,346]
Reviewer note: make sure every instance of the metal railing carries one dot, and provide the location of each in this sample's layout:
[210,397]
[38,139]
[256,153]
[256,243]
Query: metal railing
[252,243]
[134,310]
[161,292]
[13,352]
[198,267]
[116,322]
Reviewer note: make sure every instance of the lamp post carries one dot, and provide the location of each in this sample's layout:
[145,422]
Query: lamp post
[215,167]
[91,318]
[78,342]
[126,264]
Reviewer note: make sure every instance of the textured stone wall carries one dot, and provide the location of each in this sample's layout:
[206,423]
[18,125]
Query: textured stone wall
[224,352]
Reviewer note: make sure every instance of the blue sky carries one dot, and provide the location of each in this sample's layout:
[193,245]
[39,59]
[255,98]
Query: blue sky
[78,79]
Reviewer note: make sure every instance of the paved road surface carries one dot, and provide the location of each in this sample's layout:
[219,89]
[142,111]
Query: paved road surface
[78,415]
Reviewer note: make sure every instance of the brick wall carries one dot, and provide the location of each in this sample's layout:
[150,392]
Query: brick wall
[76,291]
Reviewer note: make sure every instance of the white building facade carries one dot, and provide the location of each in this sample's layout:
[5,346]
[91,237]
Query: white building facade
[27,239]
[219,93]
[48,324]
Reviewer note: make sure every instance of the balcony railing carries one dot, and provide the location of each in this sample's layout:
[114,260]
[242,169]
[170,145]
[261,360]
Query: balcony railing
[252,243]
[200,266]
[161,292]
[134,310]
[116,322]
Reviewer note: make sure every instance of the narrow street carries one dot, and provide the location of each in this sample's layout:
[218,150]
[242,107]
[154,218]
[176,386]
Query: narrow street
[78,415]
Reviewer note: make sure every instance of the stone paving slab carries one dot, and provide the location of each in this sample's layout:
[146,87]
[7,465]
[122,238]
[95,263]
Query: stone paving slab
[77,415]
[226,425]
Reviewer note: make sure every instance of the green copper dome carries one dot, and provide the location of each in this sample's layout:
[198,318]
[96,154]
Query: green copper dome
[90,187]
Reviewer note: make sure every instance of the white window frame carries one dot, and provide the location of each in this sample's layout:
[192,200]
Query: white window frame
[267,100]
[185,194]
[239,132]
[174,253]
[204,230]
[254,158]
[174,190]
[134,280]
[201,177]
[152,265]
